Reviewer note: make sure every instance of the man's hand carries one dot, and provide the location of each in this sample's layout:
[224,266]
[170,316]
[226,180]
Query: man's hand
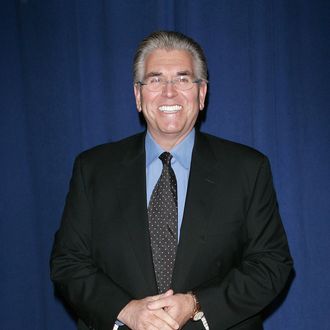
[179,306]
[137,316]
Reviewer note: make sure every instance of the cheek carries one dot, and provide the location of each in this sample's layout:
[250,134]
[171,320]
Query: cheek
[150,102]
[192,99]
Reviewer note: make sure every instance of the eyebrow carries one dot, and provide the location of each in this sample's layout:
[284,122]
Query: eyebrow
[184,73]
[153,74]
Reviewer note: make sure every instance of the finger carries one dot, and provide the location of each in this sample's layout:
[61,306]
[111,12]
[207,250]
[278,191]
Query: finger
[162,320]
[168,293]
[168,319]
[150,326]
[160,303]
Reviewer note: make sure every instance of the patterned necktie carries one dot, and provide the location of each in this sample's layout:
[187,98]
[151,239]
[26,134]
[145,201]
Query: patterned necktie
[163,224]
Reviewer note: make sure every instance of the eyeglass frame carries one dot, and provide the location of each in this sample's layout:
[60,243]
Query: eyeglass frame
[172,81]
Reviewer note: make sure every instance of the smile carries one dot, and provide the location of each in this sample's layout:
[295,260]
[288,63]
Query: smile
[170,108]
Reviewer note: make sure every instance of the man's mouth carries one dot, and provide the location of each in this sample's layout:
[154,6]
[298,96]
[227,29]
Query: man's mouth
[170,108]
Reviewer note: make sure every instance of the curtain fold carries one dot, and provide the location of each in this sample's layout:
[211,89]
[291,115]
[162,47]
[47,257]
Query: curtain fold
[66,85]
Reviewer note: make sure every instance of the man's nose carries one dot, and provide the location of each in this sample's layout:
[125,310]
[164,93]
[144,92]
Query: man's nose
[169,89]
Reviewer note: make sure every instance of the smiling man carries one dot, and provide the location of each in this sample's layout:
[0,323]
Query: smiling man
[171,228]
[170,96]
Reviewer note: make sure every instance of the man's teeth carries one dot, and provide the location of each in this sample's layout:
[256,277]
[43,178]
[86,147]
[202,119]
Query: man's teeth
[170,108]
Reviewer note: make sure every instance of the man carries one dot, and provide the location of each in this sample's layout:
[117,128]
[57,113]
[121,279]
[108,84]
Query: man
[170,228]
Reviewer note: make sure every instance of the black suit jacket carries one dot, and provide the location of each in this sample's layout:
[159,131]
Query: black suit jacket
[233,249]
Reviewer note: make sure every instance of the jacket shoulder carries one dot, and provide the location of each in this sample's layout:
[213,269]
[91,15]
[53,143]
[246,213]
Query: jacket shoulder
[223,148]
[113,150]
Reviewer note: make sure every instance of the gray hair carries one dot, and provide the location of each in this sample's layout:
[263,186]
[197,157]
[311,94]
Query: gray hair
[169,40]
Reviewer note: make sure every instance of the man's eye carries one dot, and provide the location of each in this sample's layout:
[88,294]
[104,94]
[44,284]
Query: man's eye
[154,80]
[183,80]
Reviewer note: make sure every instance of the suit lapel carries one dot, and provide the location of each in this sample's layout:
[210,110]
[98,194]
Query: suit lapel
[199,201]
[132,196]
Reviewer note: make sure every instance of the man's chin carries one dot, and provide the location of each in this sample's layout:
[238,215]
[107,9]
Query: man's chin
[171,132]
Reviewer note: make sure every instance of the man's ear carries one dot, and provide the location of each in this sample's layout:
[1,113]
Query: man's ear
[137,93]
[202,95]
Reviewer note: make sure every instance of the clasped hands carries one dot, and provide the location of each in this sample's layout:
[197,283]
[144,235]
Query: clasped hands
[167,311]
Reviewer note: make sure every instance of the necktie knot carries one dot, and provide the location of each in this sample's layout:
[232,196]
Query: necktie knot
[166,157]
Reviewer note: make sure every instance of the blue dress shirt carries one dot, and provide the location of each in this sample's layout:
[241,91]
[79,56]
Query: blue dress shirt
[180,163]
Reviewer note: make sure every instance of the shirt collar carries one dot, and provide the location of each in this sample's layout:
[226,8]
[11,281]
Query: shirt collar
[181,152]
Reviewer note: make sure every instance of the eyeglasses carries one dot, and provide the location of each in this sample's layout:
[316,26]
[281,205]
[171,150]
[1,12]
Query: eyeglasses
[156,83]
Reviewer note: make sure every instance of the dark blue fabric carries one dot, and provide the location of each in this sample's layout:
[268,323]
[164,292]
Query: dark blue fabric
[66,86]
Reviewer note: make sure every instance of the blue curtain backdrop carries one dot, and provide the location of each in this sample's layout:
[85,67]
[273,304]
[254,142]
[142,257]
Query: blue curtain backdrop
[66,86]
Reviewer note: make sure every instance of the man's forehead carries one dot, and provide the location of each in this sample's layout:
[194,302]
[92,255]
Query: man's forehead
[162,61]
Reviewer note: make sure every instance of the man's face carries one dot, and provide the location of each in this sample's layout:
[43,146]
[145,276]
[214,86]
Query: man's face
[170,113]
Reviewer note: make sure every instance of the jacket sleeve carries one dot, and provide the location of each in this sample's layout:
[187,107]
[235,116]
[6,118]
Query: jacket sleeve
[92,294]
[265,264]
